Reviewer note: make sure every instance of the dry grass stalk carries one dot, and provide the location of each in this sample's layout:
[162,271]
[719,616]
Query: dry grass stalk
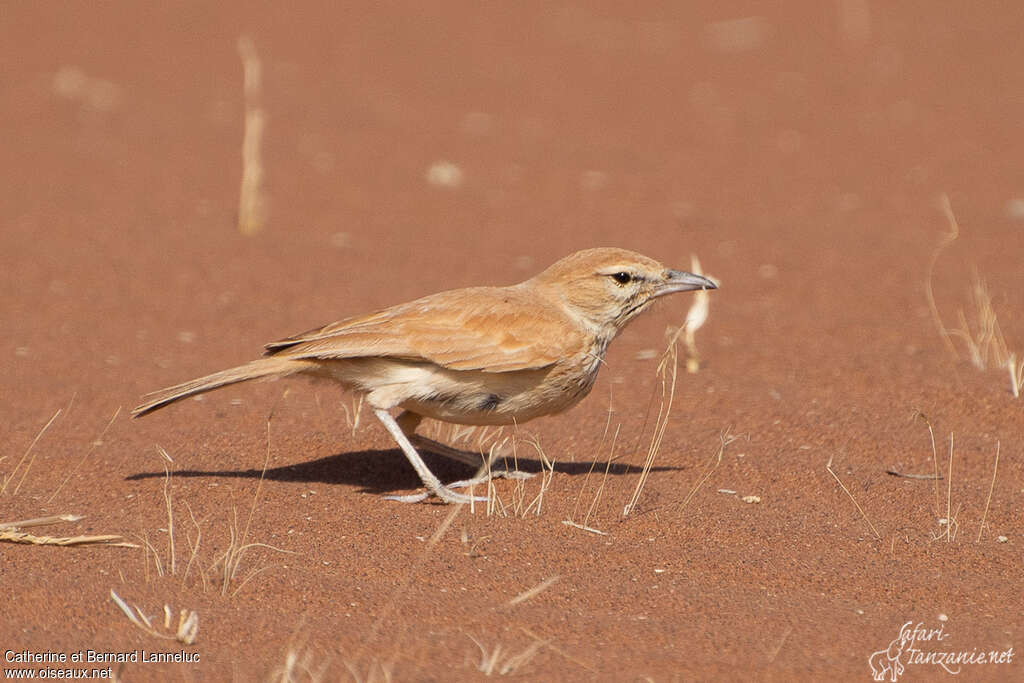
[935,460]
[194,548]
[950,521]
[533,592]
[828,467]
[96,443]
[724,439]
[947,239]
[173,558]
[11,532]
[581,527]
[518,491]
[667,371]
[41,521]
[604,479]
[353,414]
[184,632]
[547,473]
[988,501]
[251,204]
[10,477]
[168,506]
[949,492]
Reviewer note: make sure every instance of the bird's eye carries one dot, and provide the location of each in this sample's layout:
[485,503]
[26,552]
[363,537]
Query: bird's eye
[622,278]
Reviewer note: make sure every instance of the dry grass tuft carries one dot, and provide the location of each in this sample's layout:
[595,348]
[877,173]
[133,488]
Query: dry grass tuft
[226,567]
[521,507]
[302,663]
[983,340]
[184,632]
[230,561]
[947,515]
[499,661]
[503,662]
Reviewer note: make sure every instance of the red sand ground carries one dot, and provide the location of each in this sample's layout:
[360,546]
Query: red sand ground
[799,152]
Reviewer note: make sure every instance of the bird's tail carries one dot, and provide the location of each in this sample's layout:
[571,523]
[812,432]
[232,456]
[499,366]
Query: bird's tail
[264,367]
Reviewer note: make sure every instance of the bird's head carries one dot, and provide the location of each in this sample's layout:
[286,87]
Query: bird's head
[608,287]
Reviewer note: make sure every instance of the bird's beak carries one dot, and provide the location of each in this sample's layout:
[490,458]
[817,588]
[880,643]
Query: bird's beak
[681,281]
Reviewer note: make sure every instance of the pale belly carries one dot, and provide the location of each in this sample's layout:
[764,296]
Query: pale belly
[470,397]
[500,401]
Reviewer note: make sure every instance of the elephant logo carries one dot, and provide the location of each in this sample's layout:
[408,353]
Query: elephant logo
[887,662]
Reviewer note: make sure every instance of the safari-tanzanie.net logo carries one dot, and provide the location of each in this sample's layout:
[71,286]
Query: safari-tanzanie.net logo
[927,648]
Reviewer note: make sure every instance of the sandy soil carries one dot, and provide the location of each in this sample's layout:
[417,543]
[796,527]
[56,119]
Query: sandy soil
[800,152]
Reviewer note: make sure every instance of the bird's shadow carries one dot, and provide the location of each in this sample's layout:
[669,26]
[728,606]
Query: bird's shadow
[383,471]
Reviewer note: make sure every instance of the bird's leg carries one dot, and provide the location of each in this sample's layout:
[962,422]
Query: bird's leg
[409,421]
[432,483]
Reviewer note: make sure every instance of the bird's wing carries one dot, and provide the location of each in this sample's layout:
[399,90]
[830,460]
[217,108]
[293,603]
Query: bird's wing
[494,329]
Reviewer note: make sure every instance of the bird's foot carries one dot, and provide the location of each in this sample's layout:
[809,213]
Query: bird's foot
[447,495]
[444,493]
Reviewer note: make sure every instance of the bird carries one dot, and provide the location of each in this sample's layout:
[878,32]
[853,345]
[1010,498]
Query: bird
[493,355]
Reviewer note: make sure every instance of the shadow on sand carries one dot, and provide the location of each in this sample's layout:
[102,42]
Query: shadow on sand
[385,471]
